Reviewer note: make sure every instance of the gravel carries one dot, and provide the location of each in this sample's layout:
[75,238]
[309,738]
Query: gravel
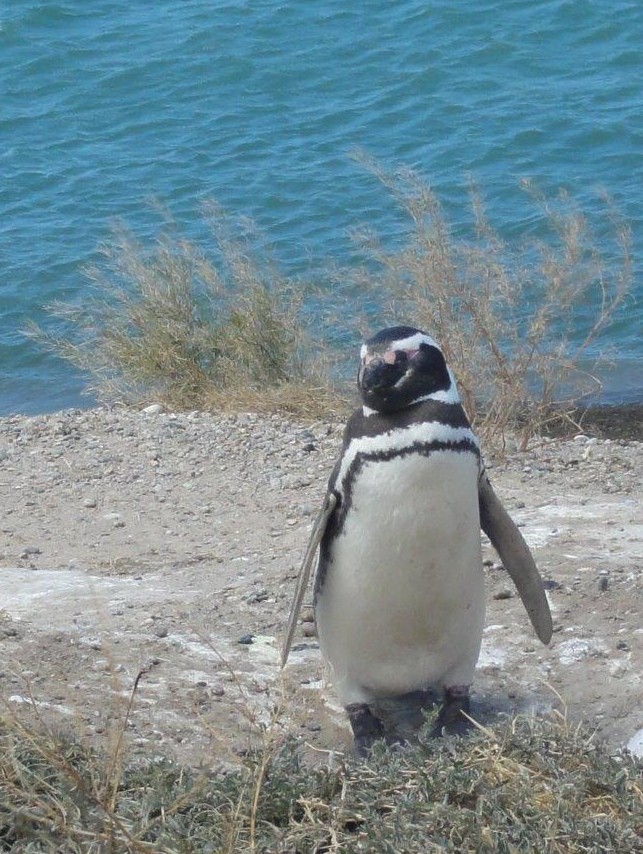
[158,543]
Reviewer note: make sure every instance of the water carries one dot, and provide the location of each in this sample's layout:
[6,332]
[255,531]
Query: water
[259,104]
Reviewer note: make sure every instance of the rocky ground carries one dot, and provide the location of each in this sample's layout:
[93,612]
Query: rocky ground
[166,547]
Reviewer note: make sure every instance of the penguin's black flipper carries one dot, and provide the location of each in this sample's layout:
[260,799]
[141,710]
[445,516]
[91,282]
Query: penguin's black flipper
[328,507]
[516,557]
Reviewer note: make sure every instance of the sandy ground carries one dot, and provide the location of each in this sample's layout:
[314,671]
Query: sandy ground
[161,544]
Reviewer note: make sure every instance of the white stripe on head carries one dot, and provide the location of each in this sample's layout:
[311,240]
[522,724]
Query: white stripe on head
[401,438]
[449,395]
[413,342]
[368,411]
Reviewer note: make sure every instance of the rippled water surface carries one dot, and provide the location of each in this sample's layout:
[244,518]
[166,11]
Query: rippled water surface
[259,104]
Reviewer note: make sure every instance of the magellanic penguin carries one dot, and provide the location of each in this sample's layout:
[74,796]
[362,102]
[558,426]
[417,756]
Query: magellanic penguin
[399,590]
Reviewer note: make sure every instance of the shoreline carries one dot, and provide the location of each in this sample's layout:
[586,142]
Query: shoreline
[607,421]
[599,420]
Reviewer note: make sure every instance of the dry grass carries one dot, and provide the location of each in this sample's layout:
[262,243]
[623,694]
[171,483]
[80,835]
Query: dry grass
[507,316]
[526,786]
[166,323]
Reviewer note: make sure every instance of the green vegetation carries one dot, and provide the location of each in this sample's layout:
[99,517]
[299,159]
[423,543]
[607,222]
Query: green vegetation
[530,786]
[167,323]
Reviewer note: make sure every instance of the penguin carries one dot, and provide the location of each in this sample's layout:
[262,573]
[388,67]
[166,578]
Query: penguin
[399,596]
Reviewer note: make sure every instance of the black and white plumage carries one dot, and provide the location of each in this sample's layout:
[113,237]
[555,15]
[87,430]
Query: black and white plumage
[399,590]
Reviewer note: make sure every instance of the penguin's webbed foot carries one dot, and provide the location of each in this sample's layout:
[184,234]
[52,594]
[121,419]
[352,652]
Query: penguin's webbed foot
[451,720]
[367,729]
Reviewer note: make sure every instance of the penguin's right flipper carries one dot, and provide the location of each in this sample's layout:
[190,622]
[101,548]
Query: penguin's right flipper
[319,528]
[516,557]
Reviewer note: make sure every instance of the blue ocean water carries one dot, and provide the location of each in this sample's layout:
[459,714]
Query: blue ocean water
[259,104]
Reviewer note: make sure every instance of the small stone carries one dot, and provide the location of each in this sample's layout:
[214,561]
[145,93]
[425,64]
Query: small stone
[622,645]
[307,615]
[246,640]
[258,596]
[603,583]
[503,594]
[161,631]
[29,551]
[153,409]
[618,669]
[309,630]
[90,502]
[90,642]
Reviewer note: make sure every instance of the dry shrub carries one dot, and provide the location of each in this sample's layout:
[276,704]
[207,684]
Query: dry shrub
[166,323]
[506,316]
[527,785]
[226,331]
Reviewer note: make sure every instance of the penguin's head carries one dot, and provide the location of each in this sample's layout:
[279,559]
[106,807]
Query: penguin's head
[401,366]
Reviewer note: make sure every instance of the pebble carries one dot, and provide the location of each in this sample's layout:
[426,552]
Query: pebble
[307,615]
[257,596]
[160,630]
[505,593]
[90,642]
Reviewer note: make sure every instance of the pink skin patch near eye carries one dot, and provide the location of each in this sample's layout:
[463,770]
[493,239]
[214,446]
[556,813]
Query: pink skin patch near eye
[389,356]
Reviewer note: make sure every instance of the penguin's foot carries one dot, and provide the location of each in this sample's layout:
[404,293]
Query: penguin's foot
[403,715]
[367,729]
[451,721]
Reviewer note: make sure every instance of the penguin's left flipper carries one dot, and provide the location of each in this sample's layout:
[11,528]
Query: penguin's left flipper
[328,507]
[516,557]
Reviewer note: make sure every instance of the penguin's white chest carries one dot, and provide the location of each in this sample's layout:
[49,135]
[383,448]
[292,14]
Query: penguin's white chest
[401,607]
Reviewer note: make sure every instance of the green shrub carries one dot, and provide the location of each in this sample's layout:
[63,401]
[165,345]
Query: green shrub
[529,786]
